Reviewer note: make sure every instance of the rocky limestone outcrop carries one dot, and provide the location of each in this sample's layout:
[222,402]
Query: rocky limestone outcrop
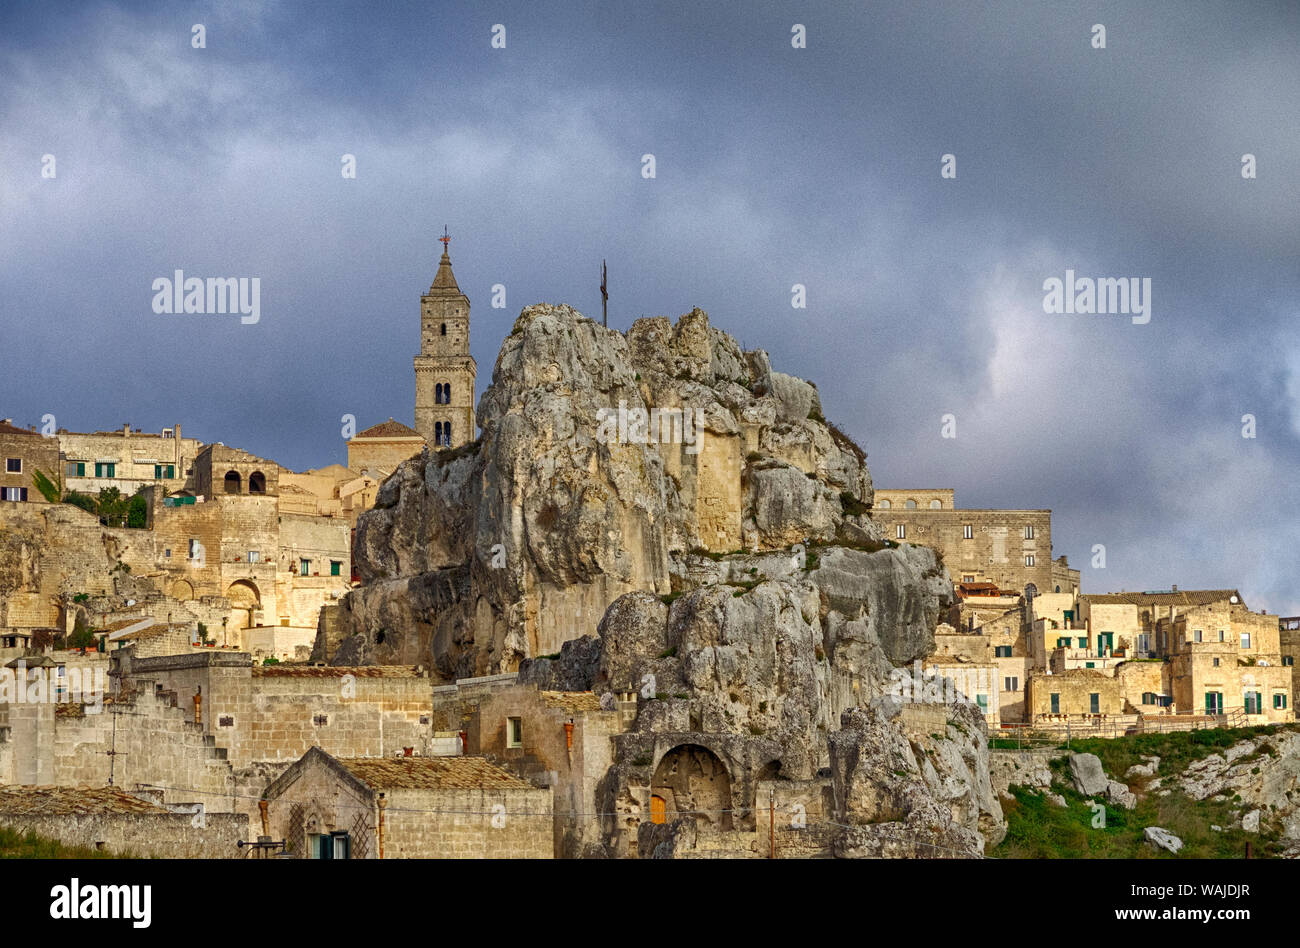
[725,571]
[605,460]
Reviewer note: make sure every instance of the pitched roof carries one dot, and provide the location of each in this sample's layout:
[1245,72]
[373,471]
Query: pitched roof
[571,700]
[1183,597]
[389,429]
[444,282]
[72,801]
[430,773]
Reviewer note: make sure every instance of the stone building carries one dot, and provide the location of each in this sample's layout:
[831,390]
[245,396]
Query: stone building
[1080,697]
[444,369]
[380,448]
[1228,660]
[556,739]
[1288,631]
[1009,548]
[122,823]
[23,452]
[407,808]
[128,459]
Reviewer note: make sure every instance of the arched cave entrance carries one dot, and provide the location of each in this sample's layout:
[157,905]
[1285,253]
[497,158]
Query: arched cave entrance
[691,780]
[244,601]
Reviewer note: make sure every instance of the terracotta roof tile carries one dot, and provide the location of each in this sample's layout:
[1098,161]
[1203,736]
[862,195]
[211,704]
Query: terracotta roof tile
[72,801]
[388,429]
[430,773]
[571,700]
[336,671]
[1184,597]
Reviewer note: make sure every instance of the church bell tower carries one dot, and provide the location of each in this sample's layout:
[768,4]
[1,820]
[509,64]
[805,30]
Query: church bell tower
[444,369]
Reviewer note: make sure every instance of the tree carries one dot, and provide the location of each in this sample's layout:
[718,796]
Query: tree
[82,637]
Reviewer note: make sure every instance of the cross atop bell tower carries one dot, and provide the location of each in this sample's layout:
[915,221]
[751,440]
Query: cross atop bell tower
[444,369]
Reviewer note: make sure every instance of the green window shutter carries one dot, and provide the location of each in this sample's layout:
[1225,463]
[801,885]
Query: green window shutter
[1056,704]
[1094,703]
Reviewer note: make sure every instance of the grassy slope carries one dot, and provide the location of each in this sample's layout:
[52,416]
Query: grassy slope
[1039,829]
[16,845]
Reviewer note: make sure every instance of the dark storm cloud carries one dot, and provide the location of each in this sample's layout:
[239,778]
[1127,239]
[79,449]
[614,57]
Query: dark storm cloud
[775,166]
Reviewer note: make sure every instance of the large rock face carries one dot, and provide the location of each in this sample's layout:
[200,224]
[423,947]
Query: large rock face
[604,461]
[663,515]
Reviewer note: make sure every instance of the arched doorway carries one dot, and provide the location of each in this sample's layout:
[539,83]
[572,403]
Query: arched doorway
[233,482]
[183,590]
[245,600]
[257,483]
[691,780]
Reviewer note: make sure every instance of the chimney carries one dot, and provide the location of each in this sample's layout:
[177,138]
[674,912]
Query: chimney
[7,421]
[1175,587]
[126,431]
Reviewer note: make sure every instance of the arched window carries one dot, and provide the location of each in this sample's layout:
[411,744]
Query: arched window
[446,394]
[910,505]
[437,394]
[437,433]
[257,483]
[233,482]
[885,505]
[444,329]
[446,434]
[936,504]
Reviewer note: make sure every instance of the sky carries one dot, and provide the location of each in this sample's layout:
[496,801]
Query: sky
[775,165]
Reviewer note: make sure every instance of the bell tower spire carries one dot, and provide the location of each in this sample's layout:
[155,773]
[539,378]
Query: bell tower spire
[444,370]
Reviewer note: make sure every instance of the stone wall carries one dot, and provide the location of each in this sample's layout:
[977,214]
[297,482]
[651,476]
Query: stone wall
[147,835]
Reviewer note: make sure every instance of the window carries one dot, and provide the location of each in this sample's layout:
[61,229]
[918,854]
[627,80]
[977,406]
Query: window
[967,532]
[1094,703]
[168,433]
[1216,663]
[105,469]
[1221,635]
[1251,699]
[13,493]
[910,505]
[1090,665]
[163,470]
[983,702]
[936,505]
[514,732]
[446,434]
[254,556]
[1063,642]
[1148,697]
[1144,643]
[1245,640]
[195,547]
[902,532]
[13,465]
[304,567]
[331,846]
[1288,659]
[1056,703]
[885,505]
[1196,635]
[1002,651]
[1279,701]
[336,567]
[1083,641]
[968,579]
[1214,702]
[1029,559]
[75,469]
[1029,531]
[1011,684]
[444,329]
[167,553]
